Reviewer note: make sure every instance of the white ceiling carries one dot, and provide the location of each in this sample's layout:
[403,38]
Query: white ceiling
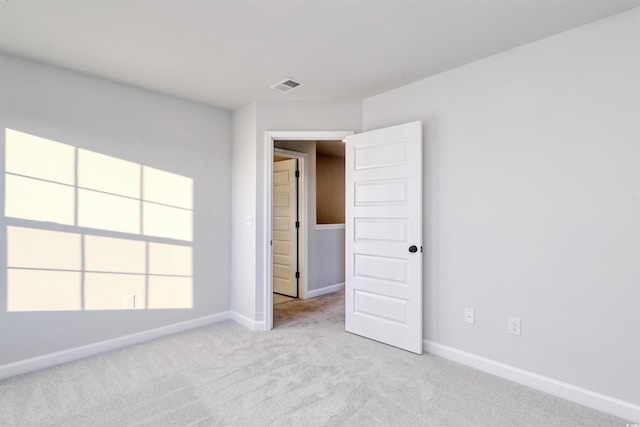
[228,52]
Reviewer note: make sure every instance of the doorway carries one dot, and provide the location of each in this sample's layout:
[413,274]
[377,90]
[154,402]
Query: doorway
[273,141]
[383,234]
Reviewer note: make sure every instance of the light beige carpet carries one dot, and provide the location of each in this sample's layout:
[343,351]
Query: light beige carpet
[279,299]
[306,372]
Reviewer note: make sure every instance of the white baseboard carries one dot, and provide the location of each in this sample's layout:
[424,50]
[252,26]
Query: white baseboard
[247,322]
[601,402]
[323,291]
[60,357]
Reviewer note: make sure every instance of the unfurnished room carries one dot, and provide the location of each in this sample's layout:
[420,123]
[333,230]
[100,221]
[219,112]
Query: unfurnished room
[320,212]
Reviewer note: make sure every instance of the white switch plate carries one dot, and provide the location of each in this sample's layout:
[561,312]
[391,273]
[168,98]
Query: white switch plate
[248,220]
[129,302]
[514,326]
[469,315]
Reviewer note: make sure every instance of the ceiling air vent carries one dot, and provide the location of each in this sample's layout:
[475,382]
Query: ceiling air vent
[286,85]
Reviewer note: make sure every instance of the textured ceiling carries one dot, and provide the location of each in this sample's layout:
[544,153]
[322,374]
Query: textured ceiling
[228,53]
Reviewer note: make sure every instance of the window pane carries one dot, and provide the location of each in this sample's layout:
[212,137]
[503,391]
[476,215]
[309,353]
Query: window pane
[107,291]
[170,292]
[170,259]
[29,247]
[114,255]
[108,212]
[42,290]
[28,198]
[168,188]
[39,157]
[164,221]
[110,174]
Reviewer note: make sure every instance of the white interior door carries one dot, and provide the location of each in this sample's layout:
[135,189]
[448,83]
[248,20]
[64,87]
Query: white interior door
[384,235]
[285,237]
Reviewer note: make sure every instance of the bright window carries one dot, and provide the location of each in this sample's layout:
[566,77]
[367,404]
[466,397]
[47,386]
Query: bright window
[121,231]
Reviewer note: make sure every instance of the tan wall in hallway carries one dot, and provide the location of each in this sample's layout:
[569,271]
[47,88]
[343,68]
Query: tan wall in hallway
[329,189]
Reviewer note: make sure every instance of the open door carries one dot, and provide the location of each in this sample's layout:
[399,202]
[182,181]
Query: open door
[383,235]
[285,227]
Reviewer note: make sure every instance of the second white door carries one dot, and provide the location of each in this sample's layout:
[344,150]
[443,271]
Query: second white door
[285,237]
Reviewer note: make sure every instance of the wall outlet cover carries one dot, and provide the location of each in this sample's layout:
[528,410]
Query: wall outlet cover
[469,315]
[514,326]
[129,302]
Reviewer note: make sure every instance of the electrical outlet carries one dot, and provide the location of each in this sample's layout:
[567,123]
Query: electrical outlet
[129,302]
[469,315]
[514,326]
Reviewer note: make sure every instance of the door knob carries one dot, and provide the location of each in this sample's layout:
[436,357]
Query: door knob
[413,249]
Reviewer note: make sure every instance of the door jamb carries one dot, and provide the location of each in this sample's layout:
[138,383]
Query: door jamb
[270,137]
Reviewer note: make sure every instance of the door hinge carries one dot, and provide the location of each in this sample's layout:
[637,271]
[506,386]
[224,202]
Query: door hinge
[297,224]
[420,249]
[297,274]
[297,174]
[270,242]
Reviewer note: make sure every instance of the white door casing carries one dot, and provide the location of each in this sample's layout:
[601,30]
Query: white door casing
[383,298]
[285,242]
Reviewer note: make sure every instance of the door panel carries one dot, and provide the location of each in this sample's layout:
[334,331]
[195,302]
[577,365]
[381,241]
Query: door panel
[285,249]
[383,218]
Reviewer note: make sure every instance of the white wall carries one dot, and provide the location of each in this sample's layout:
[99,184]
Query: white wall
[243,184]
[142,127]
[328,257]
[532,203]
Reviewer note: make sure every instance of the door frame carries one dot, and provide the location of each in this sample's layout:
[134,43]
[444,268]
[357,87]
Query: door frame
[270,137]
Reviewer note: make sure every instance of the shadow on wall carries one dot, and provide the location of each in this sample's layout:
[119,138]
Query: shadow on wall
[86,231]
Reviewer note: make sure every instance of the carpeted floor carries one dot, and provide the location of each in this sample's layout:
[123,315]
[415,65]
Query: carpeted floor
[306,372]
[278,299]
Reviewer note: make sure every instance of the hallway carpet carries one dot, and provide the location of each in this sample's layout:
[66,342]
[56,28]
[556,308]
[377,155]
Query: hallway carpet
[306,372]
